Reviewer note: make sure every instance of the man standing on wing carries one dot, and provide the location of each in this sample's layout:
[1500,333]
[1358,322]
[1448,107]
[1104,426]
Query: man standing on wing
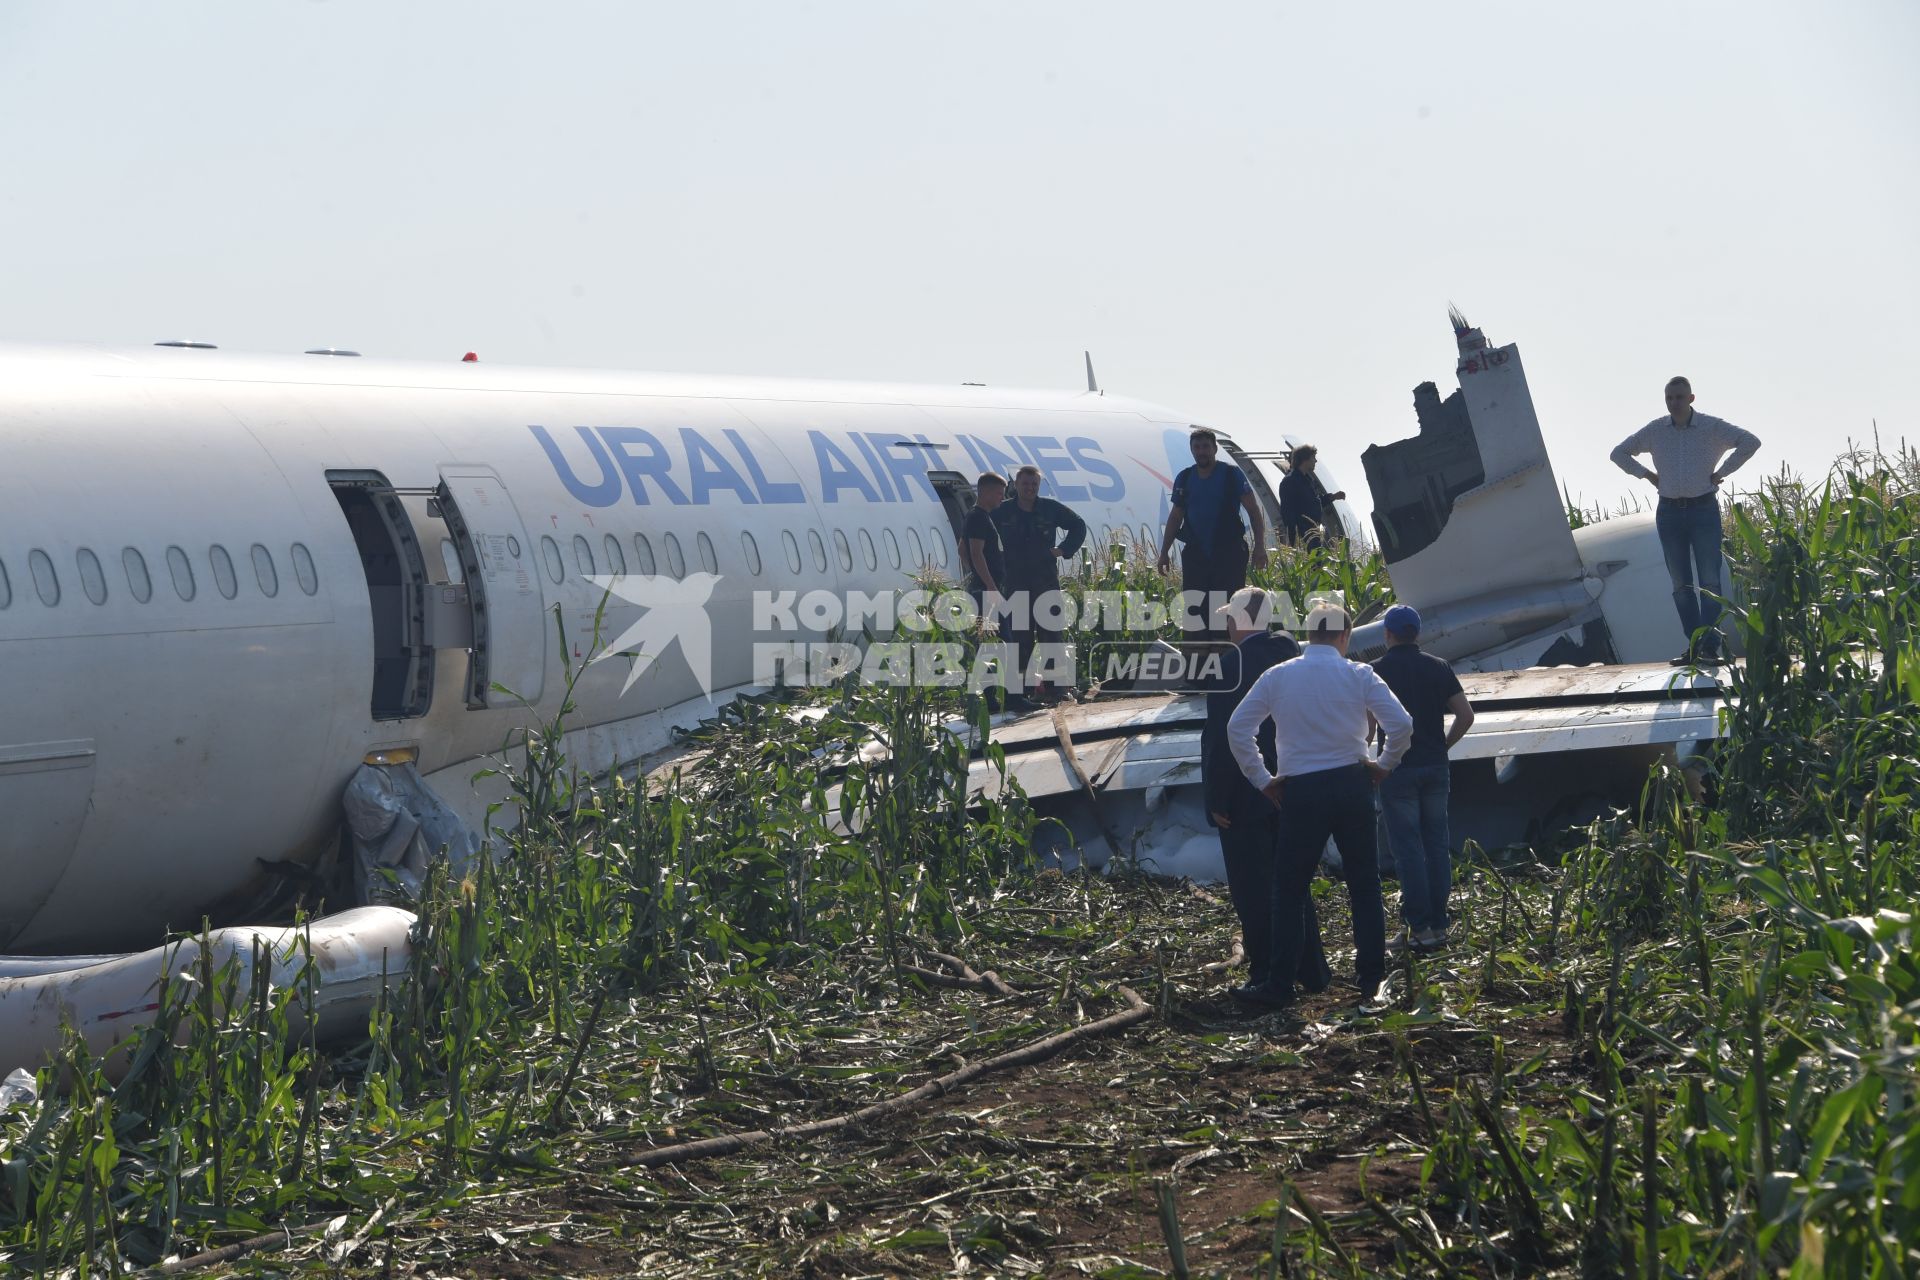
[1687,448]
[1319,704]
[1414,798]
[1030,528]
[1208,498]
[1248,824]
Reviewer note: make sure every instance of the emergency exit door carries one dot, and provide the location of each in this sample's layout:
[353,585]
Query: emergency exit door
[958,499]
[508,653]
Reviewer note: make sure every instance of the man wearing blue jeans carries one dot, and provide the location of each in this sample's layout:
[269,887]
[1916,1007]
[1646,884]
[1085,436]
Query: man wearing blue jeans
[1413,798]
[1687,448]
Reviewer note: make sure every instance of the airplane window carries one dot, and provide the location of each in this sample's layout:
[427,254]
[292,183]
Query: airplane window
[676,559]
[919,552]
[44,580]
[616,556]
[303,569]
[752,550]
[450,557]
[866,550]
[708,561]
[6,588]
[551,550]
[819,550]
[893,549]
[793,551]
[841,549]
[137,580]
[939,545]
[92,580]
[513,546]
[223,571]
[182,570]
[644,549]
[268,577]
[582,555]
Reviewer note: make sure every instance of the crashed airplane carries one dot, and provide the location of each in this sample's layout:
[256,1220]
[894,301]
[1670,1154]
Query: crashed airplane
[230,583]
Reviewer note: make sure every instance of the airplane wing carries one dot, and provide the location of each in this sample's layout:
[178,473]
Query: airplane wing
[1132,743]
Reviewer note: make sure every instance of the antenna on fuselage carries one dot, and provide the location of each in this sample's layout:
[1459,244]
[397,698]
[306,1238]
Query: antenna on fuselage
[1093,387]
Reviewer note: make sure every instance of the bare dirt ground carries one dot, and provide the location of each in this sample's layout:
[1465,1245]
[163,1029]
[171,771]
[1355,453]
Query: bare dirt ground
[1058,1169]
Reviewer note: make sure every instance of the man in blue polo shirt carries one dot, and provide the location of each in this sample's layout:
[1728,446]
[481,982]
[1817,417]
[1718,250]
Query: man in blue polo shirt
[1413,798]
[1208,498]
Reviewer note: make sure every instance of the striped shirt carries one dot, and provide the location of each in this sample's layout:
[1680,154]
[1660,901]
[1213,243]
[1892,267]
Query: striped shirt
[1318,703]
[1685,457]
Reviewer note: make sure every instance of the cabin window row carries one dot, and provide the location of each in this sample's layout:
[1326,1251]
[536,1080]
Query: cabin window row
[584,560]
[94,578]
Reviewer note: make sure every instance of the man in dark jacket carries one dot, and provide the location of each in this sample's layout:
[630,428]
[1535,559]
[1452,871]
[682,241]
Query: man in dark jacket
[1030,528]
[1305,503]
[1248,822]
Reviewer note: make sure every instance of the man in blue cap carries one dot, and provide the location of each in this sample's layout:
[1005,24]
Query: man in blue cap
[1413,798]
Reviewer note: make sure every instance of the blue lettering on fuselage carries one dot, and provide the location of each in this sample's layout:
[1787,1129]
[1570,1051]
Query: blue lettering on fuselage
[709,470]
[879,467]
[783,492]
[905,464]
[880,482]
[603,492]
[837,471]
[1085,451]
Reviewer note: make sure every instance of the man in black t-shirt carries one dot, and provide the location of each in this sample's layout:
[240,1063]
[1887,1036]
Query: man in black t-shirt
[980,550]
[1413,799]
[986,564]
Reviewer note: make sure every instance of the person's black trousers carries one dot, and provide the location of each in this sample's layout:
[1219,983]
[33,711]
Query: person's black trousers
[1337,803]
[1251,847]
[1222,570]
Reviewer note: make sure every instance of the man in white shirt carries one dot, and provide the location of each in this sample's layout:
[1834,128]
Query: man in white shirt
[1687,448]
[1322,707]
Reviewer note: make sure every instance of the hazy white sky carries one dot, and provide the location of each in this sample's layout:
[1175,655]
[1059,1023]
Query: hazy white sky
[1254,213]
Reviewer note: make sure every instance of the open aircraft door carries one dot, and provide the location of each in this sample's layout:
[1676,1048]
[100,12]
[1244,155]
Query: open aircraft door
[509,643]
[958,499]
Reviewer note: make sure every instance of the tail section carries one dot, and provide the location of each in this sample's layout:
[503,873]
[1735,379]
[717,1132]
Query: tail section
[1472,526]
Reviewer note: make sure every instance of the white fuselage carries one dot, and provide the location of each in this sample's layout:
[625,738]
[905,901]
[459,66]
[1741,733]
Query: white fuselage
[187,639]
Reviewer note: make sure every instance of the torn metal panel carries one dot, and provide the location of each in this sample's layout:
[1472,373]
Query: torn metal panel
[1164,758]
[1415,482]
[1470,507]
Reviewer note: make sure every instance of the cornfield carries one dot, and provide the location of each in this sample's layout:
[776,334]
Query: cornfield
[1685,1046]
